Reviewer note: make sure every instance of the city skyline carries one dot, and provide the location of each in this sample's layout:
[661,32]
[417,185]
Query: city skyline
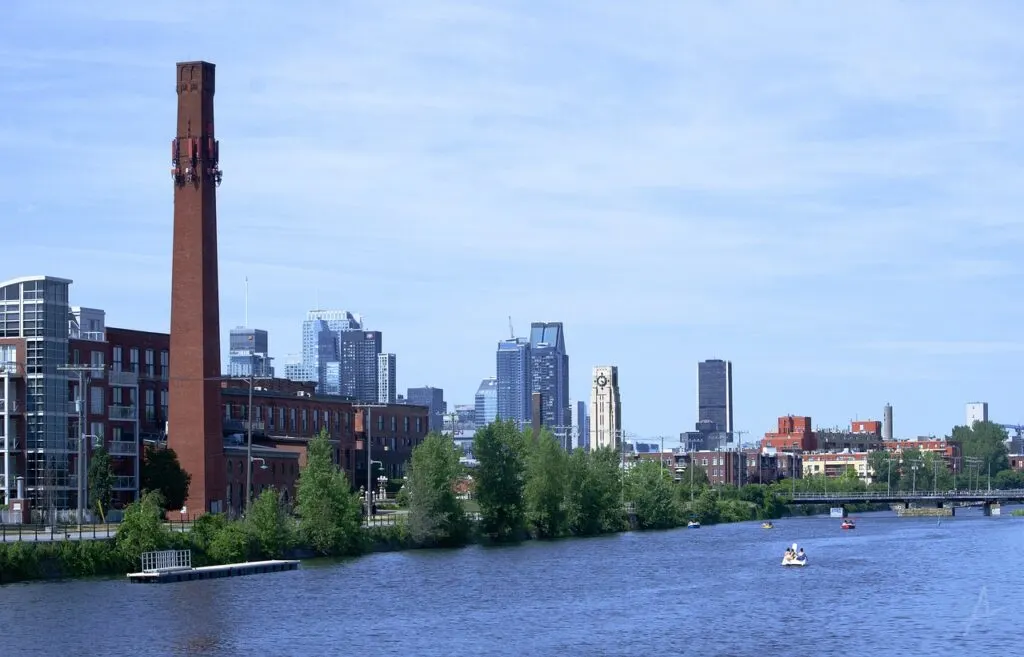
[829,217]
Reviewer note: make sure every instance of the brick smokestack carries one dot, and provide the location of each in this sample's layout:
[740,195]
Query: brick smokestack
[194,413]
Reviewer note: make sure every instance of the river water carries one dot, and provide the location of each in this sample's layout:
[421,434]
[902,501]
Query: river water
[890,587]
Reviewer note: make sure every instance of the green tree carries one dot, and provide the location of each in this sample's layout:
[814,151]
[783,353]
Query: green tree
[500,479]
[436,516]
[270,524]
[161,471]
[1008,480]
[705,508]
[329,513]
[234,543]
[546,469]
[986,442]
[143,529]
[593,496]
[101,480]
[649,487]
[885,467]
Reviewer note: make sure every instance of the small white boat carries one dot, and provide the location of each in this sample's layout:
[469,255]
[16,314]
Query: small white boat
[794,561]
[693,524]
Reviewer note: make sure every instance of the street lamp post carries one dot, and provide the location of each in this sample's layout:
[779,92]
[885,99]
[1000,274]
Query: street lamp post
[251,380]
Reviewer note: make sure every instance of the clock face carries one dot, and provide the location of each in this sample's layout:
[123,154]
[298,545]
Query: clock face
[602,381]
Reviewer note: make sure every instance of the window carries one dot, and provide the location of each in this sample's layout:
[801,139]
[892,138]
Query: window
[405,423]
[163,405]
[75,357]
[380,423]
[291,419]
[305,421]
[150,367]
[96,400]
[118,356]
[394,423]
[150,406]
[116,395]
[419,424]
[164,365]
[133,359]
[96,360]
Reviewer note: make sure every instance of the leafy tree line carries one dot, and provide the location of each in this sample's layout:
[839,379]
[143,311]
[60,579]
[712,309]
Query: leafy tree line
[526,486]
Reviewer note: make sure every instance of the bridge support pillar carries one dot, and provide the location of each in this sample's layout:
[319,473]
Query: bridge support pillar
[992,509]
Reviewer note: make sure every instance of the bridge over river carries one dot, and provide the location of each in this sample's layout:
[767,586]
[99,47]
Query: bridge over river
[938,499]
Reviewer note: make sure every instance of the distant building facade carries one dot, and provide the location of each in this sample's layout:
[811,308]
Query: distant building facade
[605,408]
[433,399]
[977,412]
[583,425]
[249,353]
[514,379]
[549,372]
[714,394]
[386,378]
[485,402]
[339,355]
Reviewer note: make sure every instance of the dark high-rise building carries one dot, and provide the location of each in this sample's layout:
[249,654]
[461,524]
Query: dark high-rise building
[358,353]
[550,373]
[714,394]
[513,370]
[194,423]
[433,399]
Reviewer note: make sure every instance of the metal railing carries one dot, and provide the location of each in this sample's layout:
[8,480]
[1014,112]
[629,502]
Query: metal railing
[121,378]
[166,561]
[122,412]
[122,448]
[901,495]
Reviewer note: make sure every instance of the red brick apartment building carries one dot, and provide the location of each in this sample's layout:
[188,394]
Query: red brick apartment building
[793,434]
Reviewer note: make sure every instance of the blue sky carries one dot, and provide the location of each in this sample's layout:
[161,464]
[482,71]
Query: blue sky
[831,198]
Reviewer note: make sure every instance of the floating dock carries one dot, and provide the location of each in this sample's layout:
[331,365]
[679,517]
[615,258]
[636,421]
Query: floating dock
[176,566]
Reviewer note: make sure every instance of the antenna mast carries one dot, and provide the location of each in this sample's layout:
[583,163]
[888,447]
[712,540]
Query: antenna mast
[511,331]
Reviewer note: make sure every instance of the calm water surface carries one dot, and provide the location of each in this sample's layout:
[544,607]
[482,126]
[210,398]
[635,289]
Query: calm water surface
[890,587]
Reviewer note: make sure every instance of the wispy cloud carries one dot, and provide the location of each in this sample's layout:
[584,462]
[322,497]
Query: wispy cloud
[819,177]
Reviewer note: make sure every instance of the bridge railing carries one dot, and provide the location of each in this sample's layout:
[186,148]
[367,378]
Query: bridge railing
[945,495]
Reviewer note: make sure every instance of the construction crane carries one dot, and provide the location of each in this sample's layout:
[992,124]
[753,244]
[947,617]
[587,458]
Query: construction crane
[1018,439]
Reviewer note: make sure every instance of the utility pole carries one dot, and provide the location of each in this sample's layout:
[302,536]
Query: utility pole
[80,470]
[369,455]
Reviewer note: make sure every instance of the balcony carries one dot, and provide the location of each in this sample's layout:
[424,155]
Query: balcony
[122,413]
[124,483]
[122,448]
[8,443]
[10,368]
[124,379]
[10,407]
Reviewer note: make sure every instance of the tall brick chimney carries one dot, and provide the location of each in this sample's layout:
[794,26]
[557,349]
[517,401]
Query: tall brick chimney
[194,414]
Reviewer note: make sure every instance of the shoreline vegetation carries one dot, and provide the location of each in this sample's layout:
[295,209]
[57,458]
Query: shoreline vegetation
[524,488]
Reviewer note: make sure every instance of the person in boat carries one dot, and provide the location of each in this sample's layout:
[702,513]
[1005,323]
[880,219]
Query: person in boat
[801,555]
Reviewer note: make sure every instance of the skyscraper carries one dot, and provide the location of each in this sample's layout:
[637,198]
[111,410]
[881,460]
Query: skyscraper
[338,354]
[583,425]
[605,408]
[433,399]
[714,394]
[514,381]
[386,378]
[485,407]
[248,353]
[550,373]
